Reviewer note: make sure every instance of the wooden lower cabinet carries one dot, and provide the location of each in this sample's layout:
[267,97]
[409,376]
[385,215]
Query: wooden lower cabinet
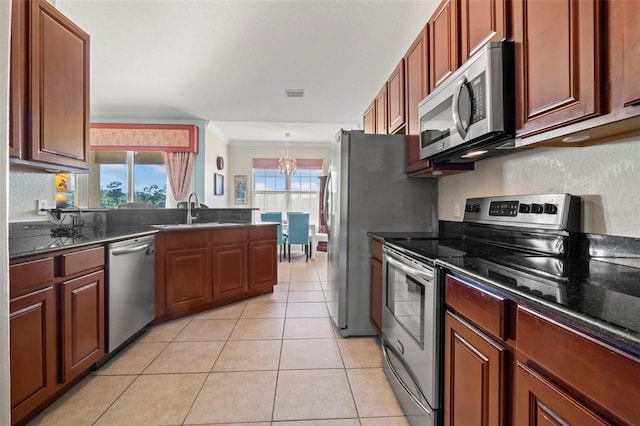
[475,375]
[57,325]
[539,402]
[263,269]
[83,330]
[33,350]
[188,278]
[376,294]
[203,269]
[229,270]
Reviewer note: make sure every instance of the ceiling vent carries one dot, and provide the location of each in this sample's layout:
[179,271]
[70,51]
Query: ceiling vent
[294,93]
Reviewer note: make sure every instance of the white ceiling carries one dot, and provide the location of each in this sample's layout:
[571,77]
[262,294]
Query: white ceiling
[229,62]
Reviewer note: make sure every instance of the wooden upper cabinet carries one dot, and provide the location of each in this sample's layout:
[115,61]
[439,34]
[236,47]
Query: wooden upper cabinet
[49,88]
[395,105]
[416,81]
[381,111]
[443,42]
[481,22]
[557,62]
[631,50]
[369,119]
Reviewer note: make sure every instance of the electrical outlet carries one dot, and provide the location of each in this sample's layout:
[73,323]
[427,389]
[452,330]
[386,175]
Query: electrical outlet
[41,205]
[456,209]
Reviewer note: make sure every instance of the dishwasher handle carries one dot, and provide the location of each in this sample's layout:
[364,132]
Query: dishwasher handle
[133,249]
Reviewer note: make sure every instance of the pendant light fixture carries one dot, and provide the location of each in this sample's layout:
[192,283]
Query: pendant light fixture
[286,164]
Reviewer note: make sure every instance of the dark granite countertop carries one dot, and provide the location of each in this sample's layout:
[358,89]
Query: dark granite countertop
[35,238]
[601,295]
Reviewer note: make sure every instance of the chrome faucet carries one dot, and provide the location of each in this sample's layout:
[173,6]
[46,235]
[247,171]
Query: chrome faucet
[189,217]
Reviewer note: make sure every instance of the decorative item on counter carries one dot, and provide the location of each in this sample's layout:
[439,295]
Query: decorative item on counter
[240,185]
[65,190]
[218,184]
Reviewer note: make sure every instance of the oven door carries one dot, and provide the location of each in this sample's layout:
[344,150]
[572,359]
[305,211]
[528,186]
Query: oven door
[411,320]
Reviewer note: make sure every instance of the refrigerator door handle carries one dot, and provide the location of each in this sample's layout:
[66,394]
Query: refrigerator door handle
[325,204]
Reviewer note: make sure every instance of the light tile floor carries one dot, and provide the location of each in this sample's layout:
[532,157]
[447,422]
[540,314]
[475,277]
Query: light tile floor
[273,360]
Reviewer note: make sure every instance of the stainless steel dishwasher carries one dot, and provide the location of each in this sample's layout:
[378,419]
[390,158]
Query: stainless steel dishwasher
[130,289]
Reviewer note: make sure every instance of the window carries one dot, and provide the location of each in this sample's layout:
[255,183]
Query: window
[273,191]
[119,177]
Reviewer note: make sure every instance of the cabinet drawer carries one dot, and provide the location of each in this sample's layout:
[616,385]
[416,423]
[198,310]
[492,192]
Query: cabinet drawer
[187,239]
[484,309]
[263,233]
[224,236]
[376,249]
[28,275]
[596,370]
[84,260]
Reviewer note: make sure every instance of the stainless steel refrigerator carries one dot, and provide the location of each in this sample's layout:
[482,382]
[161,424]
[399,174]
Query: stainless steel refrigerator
[367,190]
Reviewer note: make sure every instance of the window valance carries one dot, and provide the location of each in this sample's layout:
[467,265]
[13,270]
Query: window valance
[302,163]
[144,137]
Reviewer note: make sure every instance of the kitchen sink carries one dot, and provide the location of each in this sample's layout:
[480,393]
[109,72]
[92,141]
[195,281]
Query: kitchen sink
[176,226]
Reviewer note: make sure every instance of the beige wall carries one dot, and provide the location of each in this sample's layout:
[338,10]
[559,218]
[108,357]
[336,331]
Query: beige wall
[605,176]
[5,21]
[25,187]
[214,147]
[241,162]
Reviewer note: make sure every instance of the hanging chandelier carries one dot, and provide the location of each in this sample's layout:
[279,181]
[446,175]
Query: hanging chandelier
[286,164]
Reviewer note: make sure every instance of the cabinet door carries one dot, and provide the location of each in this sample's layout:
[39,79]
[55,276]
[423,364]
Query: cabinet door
[229,270]
[381,111]
[59,88]
[18,89]
[417,87]
[32,324]
[443,42]
[538,401]
[369,119]
[481,22]
[395,106]
[376,294]
[263,268]
[474,382]
[188,279]
[631,51]
[557,62]
[83,336]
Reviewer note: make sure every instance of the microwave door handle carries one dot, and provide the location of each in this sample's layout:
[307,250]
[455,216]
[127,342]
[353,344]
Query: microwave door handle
[455,107]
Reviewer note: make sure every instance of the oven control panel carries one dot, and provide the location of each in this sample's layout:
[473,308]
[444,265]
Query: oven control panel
[546,211]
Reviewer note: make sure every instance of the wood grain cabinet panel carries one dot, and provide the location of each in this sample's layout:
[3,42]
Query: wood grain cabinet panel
[49,88]
[631,51]
[475,375]
[443,43]
[416,82]
[229,270]
[558,76]
[32,323]
[395,106]
[83,336]
[369,119]
[381,111]
[481,22]
[188,279]
[376,294]
[539,402]
[263,266]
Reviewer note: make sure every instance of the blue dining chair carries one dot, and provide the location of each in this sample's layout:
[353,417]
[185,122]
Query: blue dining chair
[276,217]
[298,231]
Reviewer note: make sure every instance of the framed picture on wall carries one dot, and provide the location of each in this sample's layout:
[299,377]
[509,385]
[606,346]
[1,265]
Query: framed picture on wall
[218,184]
[240,185]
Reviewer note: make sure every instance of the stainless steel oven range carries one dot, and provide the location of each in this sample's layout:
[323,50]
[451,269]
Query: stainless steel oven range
[411,320]
[525,241]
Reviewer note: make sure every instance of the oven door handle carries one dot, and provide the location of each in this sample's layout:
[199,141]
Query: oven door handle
[415,399]
[409,270]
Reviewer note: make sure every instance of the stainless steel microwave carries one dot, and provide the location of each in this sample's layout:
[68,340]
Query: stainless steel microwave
[472,114]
